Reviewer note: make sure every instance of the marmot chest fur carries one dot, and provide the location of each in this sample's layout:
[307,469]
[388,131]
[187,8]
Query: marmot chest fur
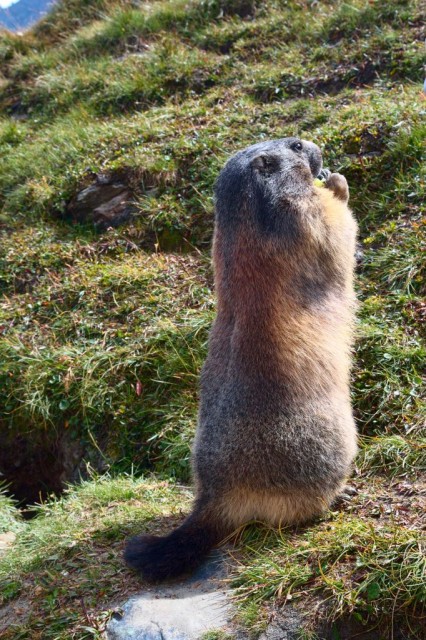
[276,436]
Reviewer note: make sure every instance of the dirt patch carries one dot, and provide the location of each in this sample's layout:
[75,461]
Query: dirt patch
[402,503]
[14,613]
[330,83]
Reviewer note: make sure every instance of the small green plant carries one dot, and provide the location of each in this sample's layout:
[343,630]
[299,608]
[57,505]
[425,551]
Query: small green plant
[216,635]
[10,516]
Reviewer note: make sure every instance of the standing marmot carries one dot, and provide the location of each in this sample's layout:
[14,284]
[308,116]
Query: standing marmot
[276,436]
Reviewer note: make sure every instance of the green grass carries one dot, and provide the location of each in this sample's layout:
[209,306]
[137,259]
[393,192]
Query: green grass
[76,543]
[397,455]
[102,335]
[360,570]
[125,377]
[10,517]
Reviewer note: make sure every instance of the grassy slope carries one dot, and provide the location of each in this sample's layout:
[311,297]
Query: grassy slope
[102,336]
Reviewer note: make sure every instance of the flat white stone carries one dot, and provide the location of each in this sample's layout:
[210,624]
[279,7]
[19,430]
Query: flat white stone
[180,611]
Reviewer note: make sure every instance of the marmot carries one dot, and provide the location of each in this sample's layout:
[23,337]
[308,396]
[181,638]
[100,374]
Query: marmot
[276,437]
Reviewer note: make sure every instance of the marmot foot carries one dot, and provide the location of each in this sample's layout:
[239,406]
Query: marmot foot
[346,495]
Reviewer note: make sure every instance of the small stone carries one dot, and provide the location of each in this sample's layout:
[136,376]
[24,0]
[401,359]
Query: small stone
[106,203]
[183,611]
[287,625]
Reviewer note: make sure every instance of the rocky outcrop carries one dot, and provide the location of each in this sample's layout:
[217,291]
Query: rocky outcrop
[106,202]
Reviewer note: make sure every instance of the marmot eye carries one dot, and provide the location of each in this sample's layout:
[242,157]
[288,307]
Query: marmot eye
[297,146]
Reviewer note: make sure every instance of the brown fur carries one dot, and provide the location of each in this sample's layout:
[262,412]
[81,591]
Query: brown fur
[276,437]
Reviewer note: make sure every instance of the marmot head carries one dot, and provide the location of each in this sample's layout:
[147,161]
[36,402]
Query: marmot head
[260,186]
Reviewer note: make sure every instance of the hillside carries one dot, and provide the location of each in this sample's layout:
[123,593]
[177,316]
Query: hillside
[24,13]
[115,119]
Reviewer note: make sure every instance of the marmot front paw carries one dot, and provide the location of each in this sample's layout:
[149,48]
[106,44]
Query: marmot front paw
[338,185]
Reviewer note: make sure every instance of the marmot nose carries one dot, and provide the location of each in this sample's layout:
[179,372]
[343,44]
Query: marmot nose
[314,157]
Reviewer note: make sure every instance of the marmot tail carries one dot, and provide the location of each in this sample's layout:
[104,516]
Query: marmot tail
[182,551]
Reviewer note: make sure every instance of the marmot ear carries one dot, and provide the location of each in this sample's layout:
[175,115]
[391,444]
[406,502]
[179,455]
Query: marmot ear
[264,163]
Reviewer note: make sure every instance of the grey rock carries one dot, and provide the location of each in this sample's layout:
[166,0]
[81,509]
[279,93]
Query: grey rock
[114,212]
[287,625]
[105,203]
[184,611]
[17,612]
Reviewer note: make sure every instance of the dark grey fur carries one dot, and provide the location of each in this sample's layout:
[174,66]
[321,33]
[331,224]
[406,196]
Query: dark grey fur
[265,427]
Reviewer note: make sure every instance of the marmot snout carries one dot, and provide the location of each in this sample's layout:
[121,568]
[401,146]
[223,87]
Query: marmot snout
[275,437]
